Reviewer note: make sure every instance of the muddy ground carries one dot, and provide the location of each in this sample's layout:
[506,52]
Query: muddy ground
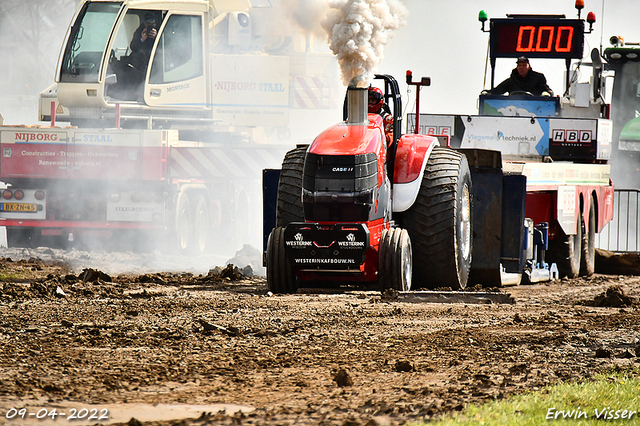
[150,346]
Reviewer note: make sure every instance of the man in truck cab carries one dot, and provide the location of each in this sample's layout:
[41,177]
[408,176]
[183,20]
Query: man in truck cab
[523,80]
[131,69]
[142,42]
[377,106]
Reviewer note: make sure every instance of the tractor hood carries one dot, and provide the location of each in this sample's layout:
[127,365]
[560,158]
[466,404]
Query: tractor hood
[349,139]
[344,176]
[360,133]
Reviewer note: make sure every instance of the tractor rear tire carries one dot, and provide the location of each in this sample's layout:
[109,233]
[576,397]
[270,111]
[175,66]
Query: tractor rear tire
[281,277]
[587,262]
[395,260]
[440,222]
[565,252]
[289,203]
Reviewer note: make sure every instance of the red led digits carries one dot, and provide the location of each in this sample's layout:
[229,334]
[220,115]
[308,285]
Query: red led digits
[562,33]
[541,39]
[537,37]
[529,37]
[542,32]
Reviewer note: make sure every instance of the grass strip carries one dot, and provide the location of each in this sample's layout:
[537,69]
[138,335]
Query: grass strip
[610,397]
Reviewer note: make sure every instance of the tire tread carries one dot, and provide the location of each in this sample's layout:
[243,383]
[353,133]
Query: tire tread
[432,223]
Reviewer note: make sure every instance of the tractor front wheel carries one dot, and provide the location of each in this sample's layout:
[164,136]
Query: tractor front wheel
[395,260]
[281,277]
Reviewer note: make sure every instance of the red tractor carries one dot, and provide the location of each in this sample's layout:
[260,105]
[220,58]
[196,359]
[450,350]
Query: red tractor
[357,207]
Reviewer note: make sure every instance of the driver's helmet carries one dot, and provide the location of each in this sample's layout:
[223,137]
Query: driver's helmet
[375,100]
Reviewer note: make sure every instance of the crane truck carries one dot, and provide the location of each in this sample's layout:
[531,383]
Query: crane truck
[168,143]
[514,194]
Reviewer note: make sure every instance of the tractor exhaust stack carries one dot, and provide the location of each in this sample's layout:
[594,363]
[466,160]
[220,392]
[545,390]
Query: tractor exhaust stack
[358,105]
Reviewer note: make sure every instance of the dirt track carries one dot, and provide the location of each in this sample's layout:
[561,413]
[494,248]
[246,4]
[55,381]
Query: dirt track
[70,339]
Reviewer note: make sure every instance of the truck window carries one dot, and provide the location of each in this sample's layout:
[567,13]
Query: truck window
[129,56]
[178,55]
[122,40]
[87,41]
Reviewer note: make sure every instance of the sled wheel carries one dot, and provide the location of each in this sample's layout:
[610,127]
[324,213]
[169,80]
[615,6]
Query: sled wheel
[202,225]
[564,251]
[587,262]
[183,223]
[289,203]
[281,277]
[440,222]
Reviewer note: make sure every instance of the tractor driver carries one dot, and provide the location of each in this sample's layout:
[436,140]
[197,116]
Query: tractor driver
[377,106]
[523,79]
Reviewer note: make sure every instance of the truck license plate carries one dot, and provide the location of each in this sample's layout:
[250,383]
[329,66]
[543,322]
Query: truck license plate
[19,207]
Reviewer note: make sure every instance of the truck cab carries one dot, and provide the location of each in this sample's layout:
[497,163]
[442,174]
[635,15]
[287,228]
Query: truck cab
[221,68]
[168,133]
[98,68]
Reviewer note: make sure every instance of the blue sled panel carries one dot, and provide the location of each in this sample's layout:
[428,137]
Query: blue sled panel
[270,180]
[514,196]
[498,218]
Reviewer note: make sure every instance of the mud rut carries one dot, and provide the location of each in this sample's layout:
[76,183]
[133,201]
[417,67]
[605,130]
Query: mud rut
[317,357]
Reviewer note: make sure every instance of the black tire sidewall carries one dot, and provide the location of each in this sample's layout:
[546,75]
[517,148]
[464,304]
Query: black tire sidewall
[403,262]
[464,263]
[281,277]
[587,261]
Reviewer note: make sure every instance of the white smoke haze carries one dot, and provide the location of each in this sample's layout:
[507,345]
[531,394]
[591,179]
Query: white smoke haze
[364,35]
[307,14]
[358,31]
[31,33]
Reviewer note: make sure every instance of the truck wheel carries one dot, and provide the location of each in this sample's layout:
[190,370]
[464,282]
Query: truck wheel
[587,263]
[202,225]
[241,220]
[183,228]
[564,251]
[281,277]
[289,203]
[23,238]
[439,222]
[394,259]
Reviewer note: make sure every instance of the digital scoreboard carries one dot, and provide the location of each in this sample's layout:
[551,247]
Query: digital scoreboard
[537,38]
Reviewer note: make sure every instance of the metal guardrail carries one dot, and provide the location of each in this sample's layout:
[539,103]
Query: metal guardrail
[622,234]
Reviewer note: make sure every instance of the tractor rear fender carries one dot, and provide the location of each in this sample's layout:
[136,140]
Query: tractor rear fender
[411,158]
